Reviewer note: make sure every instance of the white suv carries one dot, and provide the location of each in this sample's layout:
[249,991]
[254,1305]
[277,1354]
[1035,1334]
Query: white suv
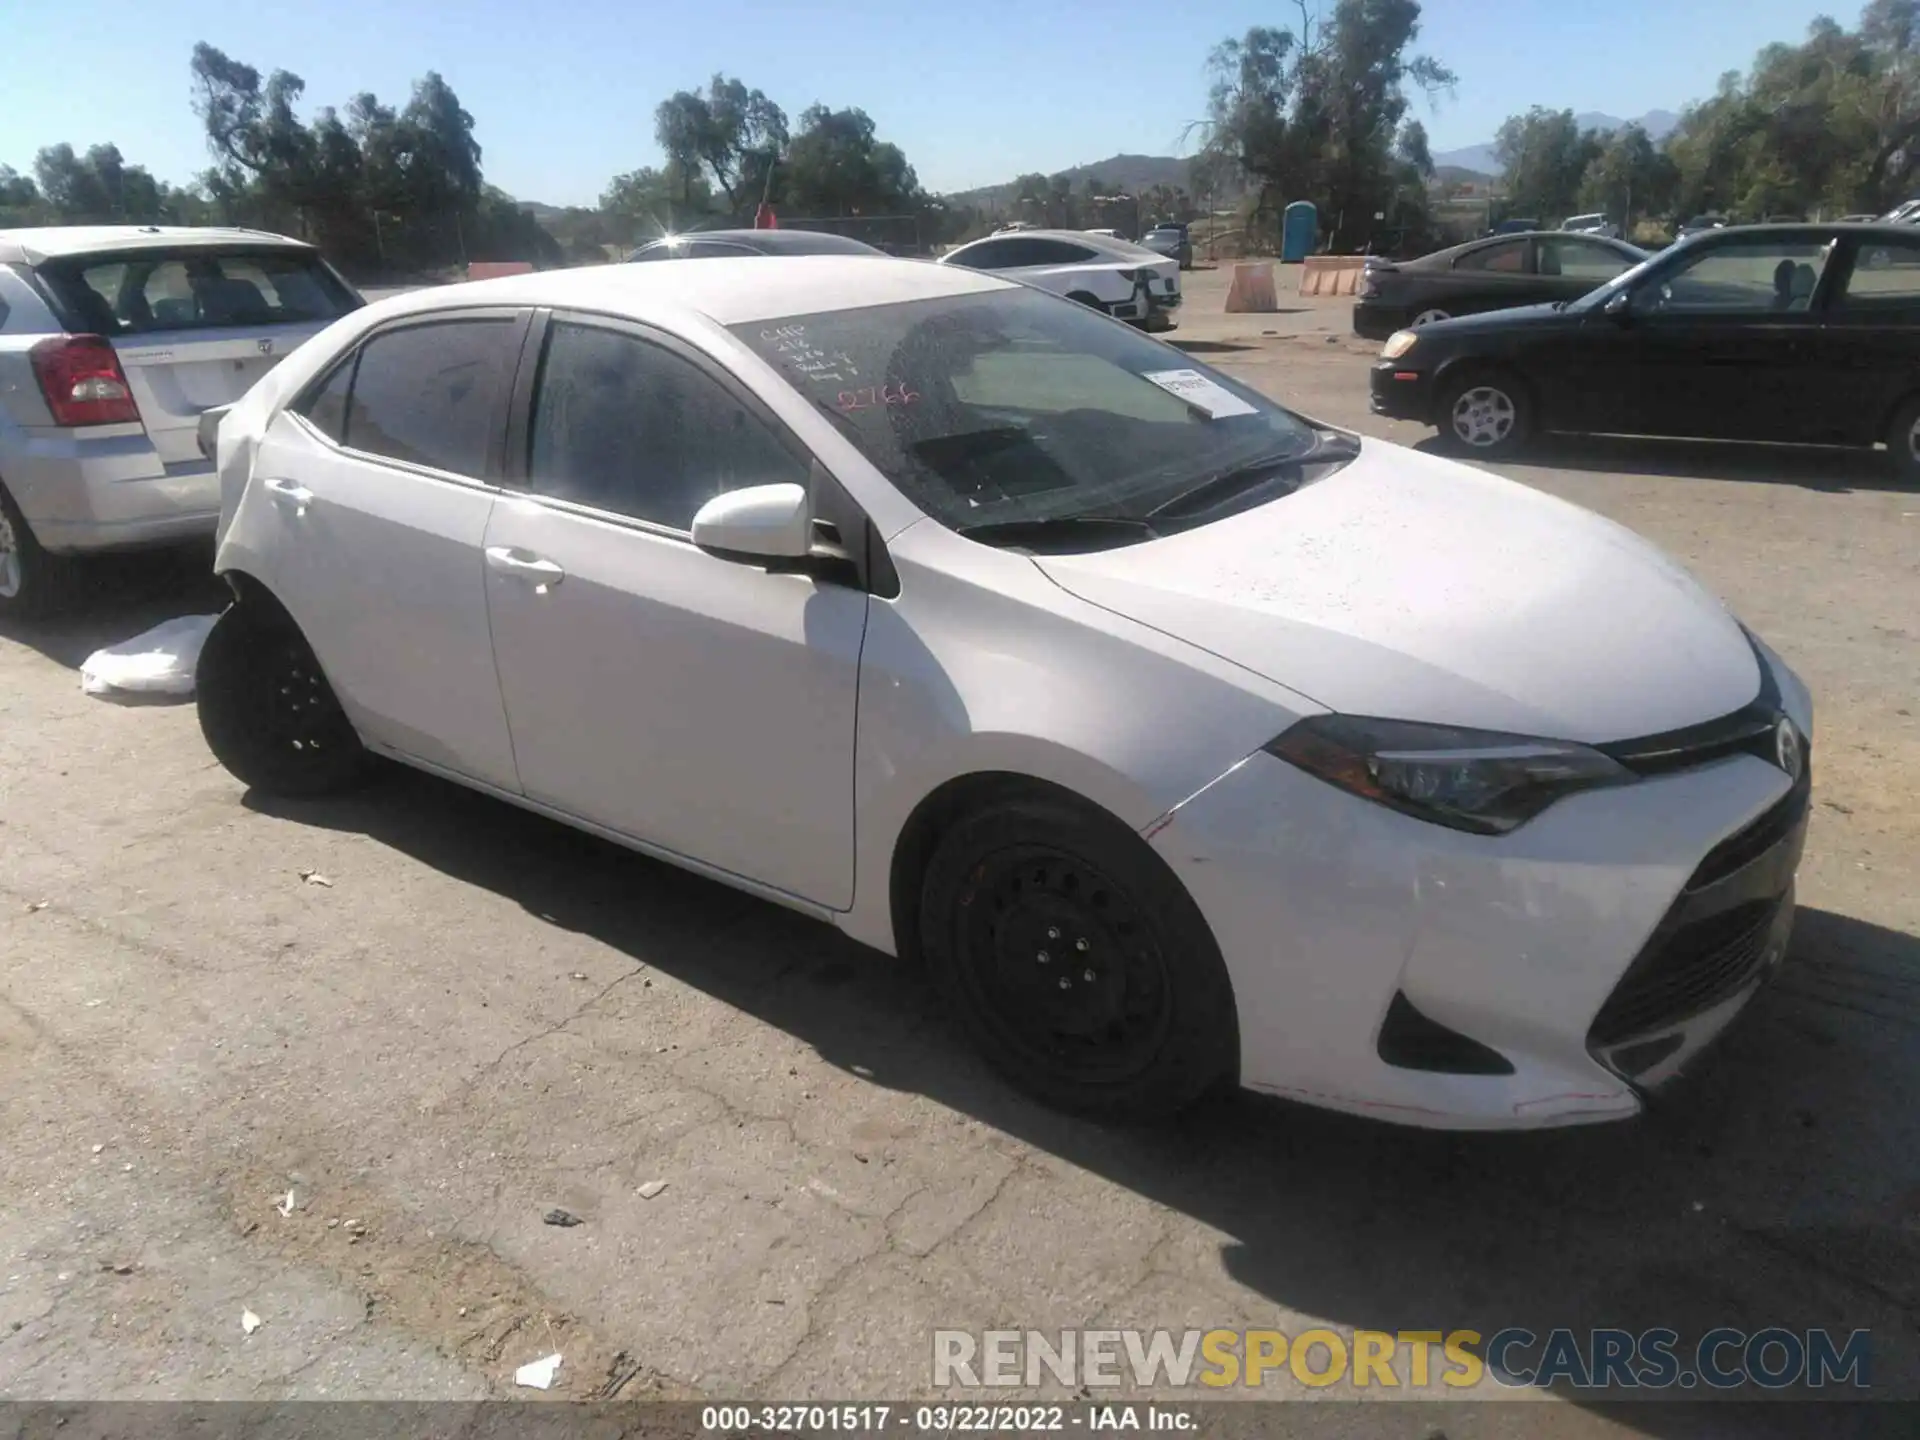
[1124,280]
[114,340]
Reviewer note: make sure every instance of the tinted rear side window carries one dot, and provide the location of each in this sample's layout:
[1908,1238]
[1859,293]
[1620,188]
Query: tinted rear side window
[145,291]
[434,394]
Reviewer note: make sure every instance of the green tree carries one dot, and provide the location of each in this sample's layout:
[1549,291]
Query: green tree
[1316,113]
[732,134]
[1544,156]
[837,166]
[1630,178]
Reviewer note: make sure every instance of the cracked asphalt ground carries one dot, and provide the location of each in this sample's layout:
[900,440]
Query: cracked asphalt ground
[484,1016]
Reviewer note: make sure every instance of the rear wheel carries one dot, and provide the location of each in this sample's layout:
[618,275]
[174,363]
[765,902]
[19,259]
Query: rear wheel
[1088,299]
[1903,443]
[33,584]
[267,711]
[1485,414]
[1075,961]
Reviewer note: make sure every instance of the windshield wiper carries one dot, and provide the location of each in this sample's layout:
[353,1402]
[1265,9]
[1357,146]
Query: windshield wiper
[1091,531]
[1328,447]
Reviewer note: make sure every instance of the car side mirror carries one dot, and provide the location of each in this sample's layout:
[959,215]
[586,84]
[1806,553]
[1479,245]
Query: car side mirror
[761,523]
[1618,307]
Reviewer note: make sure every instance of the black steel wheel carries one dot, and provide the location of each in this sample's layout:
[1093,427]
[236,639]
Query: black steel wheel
[1076,961]
[267,711]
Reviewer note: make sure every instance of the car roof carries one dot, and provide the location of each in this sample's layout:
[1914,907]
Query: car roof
[778,242]
[1820,230]
[33,244]
[1486,241]
[726,290]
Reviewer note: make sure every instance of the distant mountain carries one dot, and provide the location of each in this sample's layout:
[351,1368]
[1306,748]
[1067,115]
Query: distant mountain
[1122,172]
[1482,161]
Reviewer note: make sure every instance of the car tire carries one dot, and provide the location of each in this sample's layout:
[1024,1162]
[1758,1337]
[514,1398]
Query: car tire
[1075,961]
[33,584]
[1485,414]
[1432,315]
[267,711]
[1903,443]
[1088,299]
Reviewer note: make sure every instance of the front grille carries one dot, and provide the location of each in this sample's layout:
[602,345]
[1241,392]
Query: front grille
[1689,970]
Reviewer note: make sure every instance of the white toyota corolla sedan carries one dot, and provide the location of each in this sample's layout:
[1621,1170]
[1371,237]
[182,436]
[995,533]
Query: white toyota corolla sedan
[1187,740]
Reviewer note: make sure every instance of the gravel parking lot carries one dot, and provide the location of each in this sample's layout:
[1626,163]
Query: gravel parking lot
[430,1019]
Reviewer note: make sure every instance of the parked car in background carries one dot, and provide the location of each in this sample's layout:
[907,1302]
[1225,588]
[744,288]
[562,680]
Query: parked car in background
[978,627]
[1807,334]
[718,244]
[1595,224]
[1515,227]
[1906,214]
[1699,224]
[1494,274]
[1171,240]
[114,339]
[1117,277]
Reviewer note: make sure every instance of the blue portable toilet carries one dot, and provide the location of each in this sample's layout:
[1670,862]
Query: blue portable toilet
[1299,228]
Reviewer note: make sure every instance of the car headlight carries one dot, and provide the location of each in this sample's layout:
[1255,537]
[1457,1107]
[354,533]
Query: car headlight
[1476,780]
[1398,344]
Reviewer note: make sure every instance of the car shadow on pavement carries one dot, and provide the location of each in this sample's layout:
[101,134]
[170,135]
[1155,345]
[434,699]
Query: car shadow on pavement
[1838,471]
[1781,1186]
[116,597]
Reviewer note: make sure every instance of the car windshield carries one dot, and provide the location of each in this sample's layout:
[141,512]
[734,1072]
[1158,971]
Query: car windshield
[1626,280]
[1014,407]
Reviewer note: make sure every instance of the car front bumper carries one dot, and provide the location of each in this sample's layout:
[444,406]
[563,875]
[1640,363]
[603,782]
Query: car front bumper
[1401,390]
[105,488]
[1596,951]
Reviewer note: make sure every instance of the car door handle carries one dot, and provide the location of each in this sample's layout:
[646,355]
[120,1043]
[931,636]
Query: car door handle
[507,560]
[286,492]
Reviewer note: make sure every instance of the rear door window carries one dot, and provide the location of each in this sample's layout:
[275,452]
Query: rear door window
[1885,281]
[1056,252]
[201,288]
[1581,260]
[434,394]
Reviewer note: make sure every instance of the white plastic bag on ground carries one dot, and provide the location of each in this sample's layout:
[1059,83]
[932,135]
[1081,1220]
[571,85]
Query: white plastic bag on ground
[160,662]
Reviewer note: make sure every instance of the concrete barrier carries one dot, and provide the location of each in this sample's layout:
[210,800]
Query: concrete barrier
[494,269]
[1331,274]
[1251,290]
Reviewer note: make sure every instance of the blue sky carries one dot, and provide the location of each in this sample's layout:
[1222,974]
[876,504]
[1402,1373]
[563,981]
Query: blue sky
[563,94]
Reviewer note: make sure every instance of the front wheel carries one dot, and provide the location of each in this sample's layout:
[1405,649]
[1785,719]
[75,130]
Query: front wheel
[1076,962]
[267,711]
[1485,415]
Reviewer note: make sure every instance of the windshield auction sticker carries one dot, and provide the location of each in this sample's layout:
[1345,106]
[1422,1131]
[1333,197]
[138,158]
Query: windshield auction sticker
[1207,396]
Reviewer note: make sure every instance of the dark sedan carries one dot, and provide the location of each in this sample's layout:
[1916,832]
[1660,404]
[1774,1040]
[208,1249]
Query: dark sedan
[712,244]
[1805,334]
[1492,274]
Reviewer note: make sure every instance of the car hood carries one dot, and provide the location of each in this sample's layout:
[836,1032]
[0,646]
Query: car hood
[1410,587]
[1548,313]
